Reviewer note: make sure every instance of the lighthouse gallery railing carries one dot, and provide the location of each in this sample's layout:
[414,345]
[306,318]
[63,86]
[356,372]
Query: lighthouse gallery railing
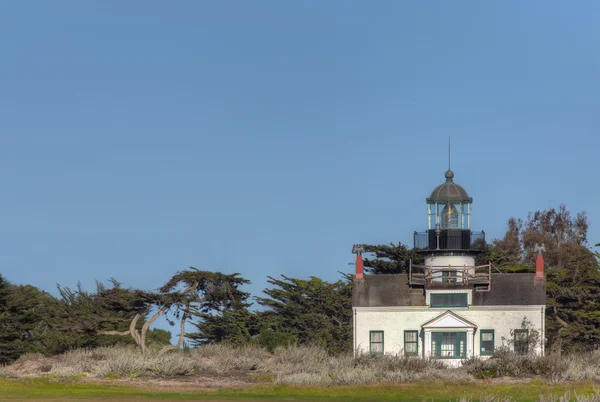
[449,239]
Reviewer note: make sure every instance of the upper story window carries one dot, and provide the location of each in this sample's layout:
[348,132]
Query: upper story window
[448,299]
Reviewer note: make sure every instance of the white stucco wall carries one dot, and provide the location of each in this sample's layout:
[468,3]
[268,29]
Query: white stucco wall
[395,320]
[453,260]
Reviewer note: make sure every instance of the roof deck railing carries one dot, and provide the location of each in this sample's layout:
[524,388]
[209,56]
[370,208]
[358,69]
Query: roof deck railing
[426,275]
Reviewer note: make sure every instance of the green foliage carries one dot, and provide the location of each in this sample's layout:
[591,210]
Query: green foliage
[271,340]
[30,322]
[389,259]
[90,315]
[572,272]
[223,315]
[531,338]
[160,337]
[313,311]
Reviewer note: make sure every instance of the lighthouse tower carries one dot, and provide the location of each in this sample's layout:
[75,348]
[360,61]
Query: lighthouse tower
[449,246]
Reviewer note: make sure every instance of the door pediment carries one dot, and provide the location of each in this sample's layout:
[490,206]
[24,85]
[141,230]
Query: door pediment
[449,319]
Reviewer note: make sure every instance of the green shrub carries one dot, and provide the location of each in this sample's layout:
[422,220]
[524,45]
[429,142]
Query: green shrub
[271,340]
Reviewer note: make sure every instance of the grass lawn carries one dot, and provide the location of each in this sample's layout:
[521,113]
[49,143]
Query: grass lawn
[45,389]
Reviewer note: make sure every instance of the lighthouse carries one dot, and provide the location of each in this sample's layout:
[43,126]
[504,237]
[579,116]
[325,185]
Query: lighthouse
[449,246]
[446,306]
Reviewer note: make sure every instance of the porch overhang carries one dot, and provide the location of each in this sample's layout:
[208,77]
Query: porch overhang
[447,320]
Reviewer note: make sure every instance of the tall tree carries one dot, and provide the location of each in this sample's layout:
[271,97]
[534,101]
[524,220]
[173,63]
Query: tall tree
[29,322]
[104,316]
[312,311]
[573,303]
[235,325]
[9,333]
[205,293]
[507,253]
[558,230]
[389,259]
[224,315]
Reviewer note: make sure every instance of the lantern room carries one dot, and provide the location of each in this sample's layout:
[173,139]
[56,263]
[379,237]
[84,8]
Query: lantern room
[449,220]
[449,206]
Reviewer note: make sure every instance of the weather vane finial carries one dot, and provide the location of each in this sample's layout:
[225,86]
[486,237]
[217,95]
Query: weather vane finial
[539,248]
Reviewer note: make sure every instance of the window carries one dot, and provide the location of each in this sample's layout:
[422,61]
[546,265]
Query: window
[376,341]
[411,343]
[448,345]
[448,300]
[486,342]
[521,341]
[449,276]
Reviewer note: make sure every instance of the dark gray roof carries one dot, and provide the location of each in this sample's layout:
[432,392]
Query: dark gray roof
[515,289]
[449,191]
[385,290]
[393,290]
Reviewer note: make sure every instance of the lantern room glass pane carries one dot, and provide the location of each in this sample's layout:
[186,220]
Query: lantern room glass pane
[466,210]
[450,217]
[453,215]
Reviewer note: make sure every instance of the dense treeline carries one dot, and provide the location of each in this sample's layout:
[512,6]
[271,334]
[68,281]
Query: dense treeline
[296,311]
[303,311]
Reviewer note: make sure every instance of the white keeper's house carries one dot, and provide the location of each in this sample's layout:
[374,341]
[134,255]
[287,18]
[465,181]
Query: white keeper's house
[448,308]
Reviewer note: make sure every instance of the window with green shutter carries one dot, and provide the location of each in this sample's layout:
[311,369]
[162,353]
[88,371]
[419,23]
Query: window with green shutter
[376,341]
[486,342]
[411,343]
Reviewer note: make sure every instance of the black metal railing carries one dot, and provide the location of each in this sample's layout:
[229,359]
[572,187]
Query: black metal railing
[449,239]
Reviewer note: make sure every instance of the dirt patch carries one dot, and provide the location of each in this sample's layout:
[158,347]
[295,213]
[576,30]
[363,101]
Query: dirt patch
[201,382]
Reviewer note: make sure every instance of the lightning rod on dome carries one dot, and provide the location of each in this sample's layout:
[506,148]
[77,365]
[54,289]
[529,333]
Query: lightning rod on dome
[448,152]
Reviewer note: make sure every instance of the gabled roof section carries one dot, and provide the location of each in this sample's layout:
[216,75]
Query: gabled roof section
[449,319]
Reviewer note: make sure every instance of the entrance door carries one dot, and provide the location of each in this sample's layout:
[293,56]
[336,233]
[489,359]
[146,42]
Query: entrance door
[448,345]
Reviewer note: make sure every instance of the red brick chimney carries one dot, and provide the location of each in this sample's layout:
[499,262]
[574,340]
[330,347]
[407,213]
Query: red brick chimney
[539,266]
[360,268]
[358,249]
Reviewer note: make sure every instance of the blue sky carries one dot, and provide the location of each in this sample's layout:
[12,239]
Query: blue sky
[139,138]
